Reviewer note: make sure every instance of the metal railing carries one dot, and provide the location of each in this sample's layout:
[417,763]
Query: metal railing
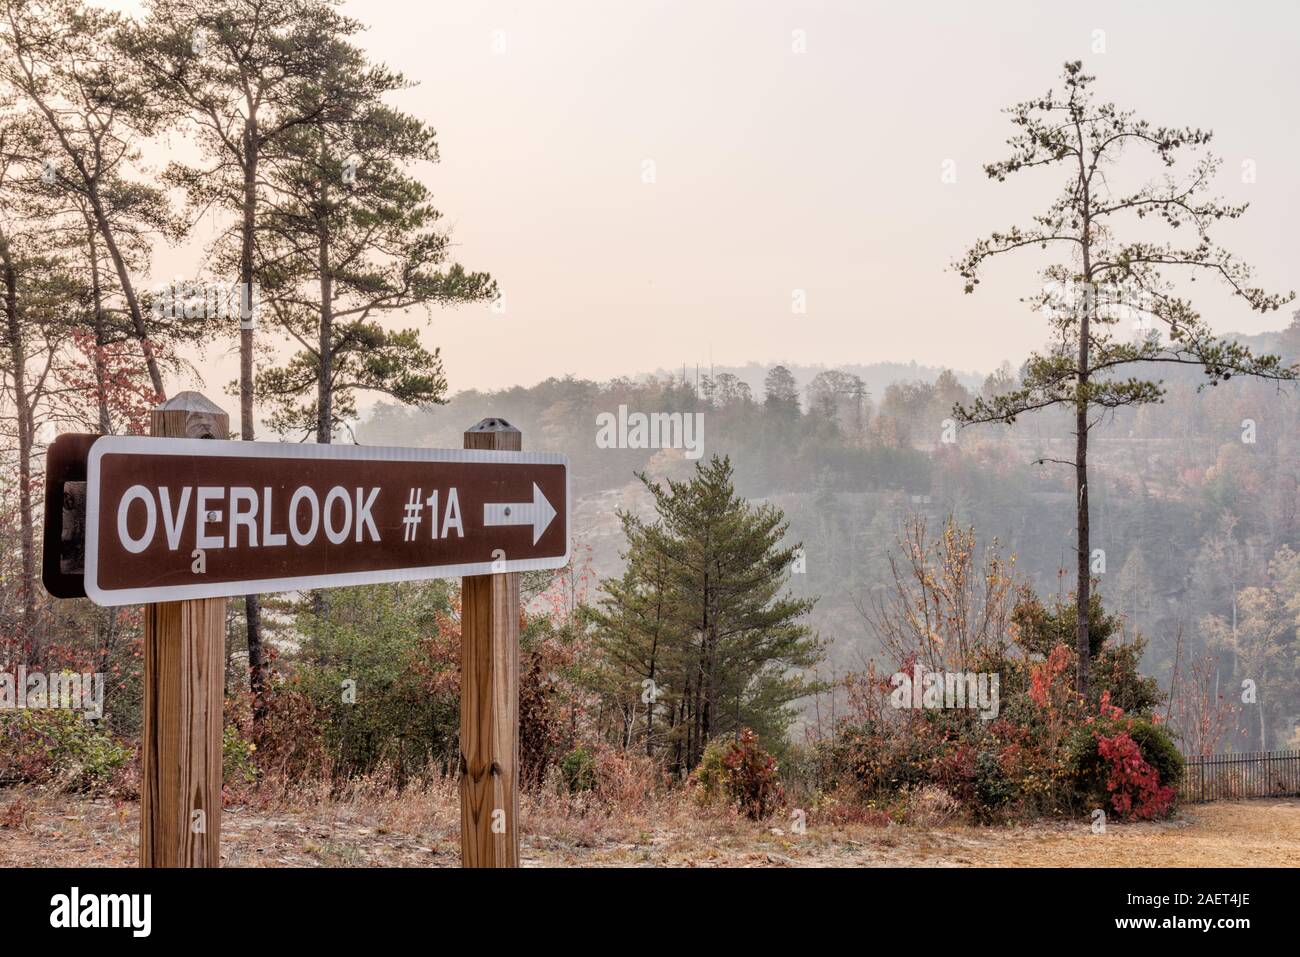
[1215,777]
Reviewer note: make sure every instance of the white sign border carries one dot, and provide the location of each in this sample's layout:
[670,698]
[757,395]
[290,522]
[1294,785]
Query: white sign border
[221,448]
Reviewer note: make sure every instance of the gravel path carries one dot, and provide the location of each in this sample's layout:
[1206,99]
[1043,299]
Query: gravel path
[60,830]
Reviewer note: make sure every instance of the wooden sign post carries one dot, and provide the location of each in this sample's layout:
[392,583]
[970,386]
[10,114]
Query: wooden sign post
[179,524]
[184,672]
[489,697]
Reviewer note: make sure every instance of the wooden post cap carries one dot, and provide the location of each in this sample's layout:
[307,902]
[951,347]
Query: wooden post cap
[492,425]
[192,402]
[191,415]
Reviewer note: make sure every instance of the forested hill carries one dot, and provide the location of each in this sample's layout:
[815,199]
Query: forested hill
[875,376]
[1193,500]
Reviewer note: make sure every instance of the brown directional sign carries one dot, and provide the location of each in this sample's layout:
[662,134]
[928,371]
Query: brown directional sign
[172,519]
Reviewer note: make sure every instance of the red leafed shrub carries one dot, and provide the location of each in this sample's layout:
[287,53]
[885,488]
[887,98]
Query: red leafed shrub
[954,770]
[751,777]
[1113,712]
[1134,785]
[1049,681]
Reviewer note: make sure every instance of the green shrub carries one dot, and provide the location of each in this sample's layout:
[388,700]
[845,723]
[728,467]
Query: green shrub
[710,774]
[237,756]
[1088,770]
[907,763]
[1159,751]
[1115,675]
[579,770]
[379,679]
[993,789]
[45,745]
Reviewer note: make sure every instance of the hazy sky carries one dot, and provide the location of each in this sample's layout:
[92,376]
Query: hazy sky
[777,170]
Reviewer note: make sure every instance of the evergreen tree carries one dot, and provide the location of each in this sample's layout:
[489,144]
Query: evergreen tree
[89,113]
[780,392]
[715,569]
[38,307]
[348,238]
[234,72]
[1105,276]
[634,629]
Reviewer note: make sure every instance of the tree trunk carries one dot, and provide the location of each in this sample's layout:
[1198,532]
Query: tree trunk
[1263,725]
[252,607]
[699,732]
[674,723]
[23,415]
[1084,539]
[325,343]
[324,383]
[1084,533]
[702,727]
[101,334]
[128,292]
[246,430]
[710,688]
[22,411]
[687,722]
[654,698]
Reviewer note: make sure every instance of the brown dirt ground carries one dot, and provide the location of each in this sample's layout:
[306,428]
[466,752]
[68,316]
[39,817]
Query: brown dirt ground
[53,829]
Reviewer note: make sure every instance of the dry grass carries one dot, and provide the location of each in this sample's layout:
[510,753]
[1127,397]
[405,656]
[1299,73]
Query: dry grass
[372,826]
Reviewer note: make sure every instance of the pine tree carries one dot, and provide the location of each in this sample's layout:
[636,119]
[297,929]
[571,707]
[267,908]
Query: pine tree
[37,311]
[234,71]
[715,569]
[634,630]
[1105,276]
[89,113]
[350,237]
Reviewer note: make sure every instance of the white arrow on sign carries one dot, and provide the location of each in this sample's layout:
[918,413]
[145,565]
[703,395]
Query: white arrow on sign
[537,513]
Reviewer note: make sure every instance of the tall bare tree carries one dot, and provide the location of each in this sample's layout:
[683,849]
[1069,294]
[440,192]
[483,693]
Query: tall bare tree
[1090,367]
